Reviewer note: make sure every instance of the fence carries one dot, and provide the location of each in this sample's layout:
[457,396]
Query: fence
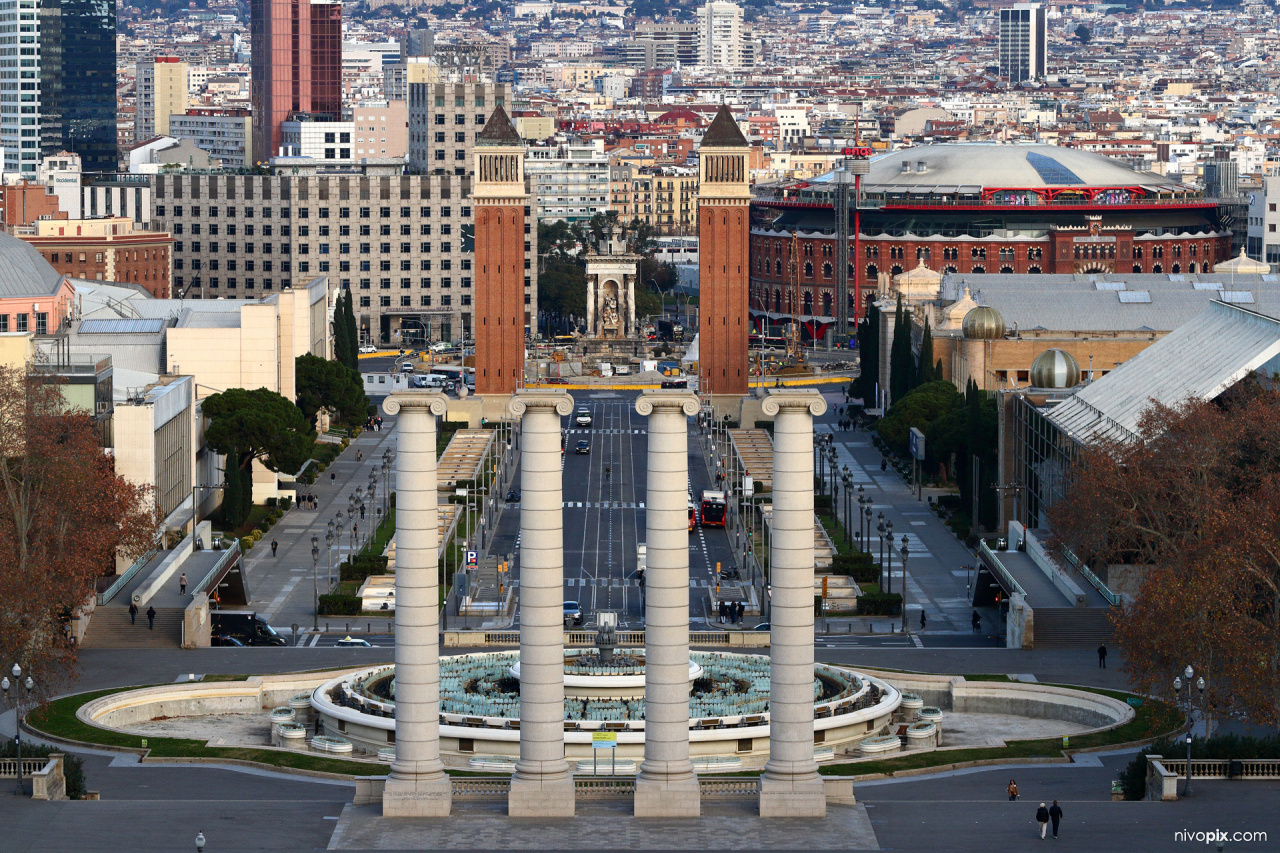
[227,556]
[630,639]
[9,767]
[728,788]
[123,580]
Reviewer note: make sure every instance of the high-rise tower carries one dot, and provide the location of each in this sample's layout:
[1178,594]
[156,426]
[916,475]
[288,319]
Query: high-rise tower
[724,198]
[1023,30]
[499,198]
[296,65]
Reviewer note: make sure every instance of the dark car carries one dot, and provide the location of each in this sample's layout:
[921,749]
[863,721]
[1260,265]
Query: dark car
[513,496]
[225,640]
[763,626]
[572,613]
[675,383]
[583,446]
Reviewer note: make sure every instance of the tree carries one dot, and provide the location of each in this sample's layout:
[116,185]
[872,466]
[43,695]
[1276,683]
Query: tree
[868,355]
[341,343]
[65,516]
[324,384]
[235,508]
[924,368]
[259,424]
[1192,503]
[901,365]
[918,408]
[1084,34]
[352,334]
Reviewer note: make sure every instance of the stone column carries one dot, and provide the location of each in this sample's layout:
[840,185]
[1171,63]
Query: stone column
[542,785]
[791,786]
[667,786]
[417,785]
[593,283]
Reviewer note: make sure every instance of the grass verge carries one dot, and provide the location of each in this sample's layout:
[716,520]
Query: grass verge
[1152,719]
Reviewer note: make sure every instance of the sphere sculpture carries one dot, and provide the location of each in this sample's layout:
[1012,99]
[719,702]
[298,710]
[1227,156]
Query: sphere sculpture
[983,323]
[1056,369]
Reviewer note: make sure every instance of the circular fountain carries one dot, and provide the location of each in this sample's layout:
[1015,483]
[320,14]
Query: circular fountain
[604,691]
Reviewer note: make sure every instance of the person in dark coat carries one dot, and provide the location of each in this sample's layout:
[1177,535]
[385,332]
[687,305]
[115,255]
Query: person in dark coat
[151,618]
[976,622]
[1042,817]
[1055,815]
[1102,656]
[742,608]
[133,613]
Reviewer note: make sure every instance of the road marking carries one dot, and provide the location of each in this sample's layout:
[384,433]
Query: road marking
[271,608]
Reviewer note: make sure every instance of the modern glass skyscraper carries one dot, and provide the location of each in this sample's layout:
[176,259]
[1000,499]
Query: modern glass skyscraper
[296,65]
[58,82]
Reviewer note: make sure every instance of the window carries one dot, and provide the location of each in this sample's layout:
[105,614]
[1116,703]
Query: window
[4,322]
[21,323]
[384,301]
[364,302]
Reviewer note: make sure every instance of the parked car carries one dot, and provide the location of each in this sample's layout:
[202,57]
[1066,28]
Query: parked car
[557,380]
[583,446]
[368,348]
[582,418]
[763,626]
[225,640]
[572,614]
[406,367]
[622,370]
[354,642]
[513,496]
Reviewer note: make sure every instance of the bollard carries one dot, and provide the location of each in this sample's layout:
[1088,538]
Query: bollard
[368,627]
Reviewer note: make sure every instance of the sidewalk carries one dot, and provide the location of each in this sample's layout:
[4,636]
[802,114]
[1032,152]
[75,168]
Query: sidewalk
[281,586]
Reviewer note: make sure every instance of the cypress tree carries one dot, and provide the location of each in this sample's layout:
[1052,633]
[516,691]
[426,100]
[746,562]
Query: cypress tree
[233,512]
[340,340]
[924,372]
[353,334]
[900,362]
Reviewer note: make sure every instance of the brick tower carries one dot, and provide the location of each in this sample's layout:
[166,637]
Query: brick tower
[499,199]
[724,197]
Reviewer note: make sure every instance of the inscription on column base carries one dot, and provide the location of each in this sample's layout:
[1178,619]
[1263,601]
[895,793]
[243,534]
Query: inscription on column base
[417,797]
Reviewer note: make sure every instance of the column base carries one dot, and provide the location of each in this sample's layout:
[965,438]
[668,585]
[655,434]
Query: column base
[541,798]
[799,797]
[662,797]
[417,797]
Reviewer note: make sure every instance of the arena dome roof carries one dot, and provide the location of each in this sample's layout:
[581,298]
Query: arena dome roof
[991,164]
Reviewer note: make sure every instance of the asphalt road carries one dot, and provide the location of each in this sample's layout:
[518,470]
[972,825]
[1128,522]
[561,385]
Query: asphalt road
[604,517]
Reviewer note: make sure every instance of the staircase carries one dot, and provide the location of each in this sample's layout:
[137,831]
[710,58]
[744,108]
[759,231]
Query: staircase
[1072,627]
[110,629]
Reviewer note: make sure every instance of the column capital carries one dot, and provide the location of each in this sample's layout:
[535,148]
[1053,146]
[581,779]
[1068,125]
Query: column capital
[432,402]
[793,398]
[668,400]
[561,402]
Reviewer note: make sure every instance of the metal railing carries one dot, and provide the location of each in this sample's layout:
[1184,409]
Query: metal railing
[1014,586]
[1102,588]
[123,580]
[227,556]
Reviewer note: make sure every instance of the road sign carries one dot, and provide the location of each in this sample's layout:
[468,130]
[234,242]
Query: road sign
[748,486]
[472,559]
[604,740]
[917,444]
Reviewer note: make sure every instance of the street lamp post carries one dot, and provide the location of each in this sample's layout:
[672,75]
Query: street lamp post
[880,537]
[337,542]
[315,580]
[1177,688]
[888,535]
[903,552]
[17,684]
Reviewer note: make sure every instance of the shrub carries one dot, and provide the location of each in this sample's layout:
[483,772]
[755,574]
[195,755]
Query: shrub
[822,504]
[271,502]
[858,566]
[246,543]
[880,604]
[286,504]
[336,604]
[362,566]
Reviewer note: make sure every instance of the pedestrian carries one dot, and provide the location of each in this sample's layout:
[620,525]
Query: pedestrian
[1042,817]
[884,465]
[182,584]
[1013,790]
[922,619]
[151,618]
[274,546]
[1102,656]
[333,477]
[1055,815]
[976,622]
[358,455]
[133,613]
[742,608]
[315,502]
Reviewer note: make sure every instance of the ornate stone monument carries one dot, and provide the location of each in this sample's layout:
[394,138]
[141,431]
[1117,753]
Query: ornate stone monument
[611,291]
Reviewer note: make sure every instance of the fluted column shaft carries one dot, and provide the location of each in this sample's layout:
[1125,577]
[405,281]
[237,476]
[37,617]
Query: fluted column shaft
[542,784]
[791,784]
[417,784]
[667,785]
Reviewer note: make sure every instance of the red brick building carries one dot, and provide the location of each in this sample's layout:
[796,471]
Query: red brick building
[108,249]
[975,208]
[24,203]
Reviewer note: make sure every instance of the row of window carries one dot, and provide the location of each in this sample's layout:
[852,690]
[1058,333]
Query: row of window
[213,212]
[21,323]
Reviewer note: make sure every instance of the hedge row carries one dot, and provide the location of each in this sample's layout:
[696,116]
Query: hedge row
[880,604]
[361,566]
[857,565]
[336,604]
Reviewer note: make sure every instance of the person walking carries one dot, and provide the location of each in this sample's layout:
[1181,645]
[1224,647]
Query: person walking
[151,618]
[1102,656]
[742,609]
[1055,815]
[1042,817]
[274,546]
[1013,790]
[359,456]
[182,584]
[333,477]
[976,622]
[922,619]
[133,613]
[884,465]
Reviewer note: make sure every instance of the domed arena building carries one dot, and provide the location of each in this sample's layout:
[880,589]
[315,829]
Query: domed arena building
[974,208]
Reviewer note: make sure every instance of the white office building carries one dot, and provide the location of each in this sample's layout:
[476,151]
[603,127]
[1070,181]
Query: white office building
[20,86]
[720,34]
[570,182]
[1022,42]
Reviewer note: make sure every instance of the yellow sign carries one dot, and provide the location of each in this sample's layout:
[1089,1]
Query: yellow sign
[604,737]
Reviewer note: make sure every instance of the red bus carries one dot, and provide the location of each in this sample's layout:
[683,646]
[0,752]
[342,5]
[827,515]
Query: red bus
[713,509]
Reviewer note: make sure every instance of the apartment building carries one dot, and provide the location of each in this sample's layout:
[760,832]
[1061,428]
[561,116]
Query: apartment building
[403,245]
[570,183]
[663,198]
[162,92]
[444,120]
[225,133]
[107,249]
